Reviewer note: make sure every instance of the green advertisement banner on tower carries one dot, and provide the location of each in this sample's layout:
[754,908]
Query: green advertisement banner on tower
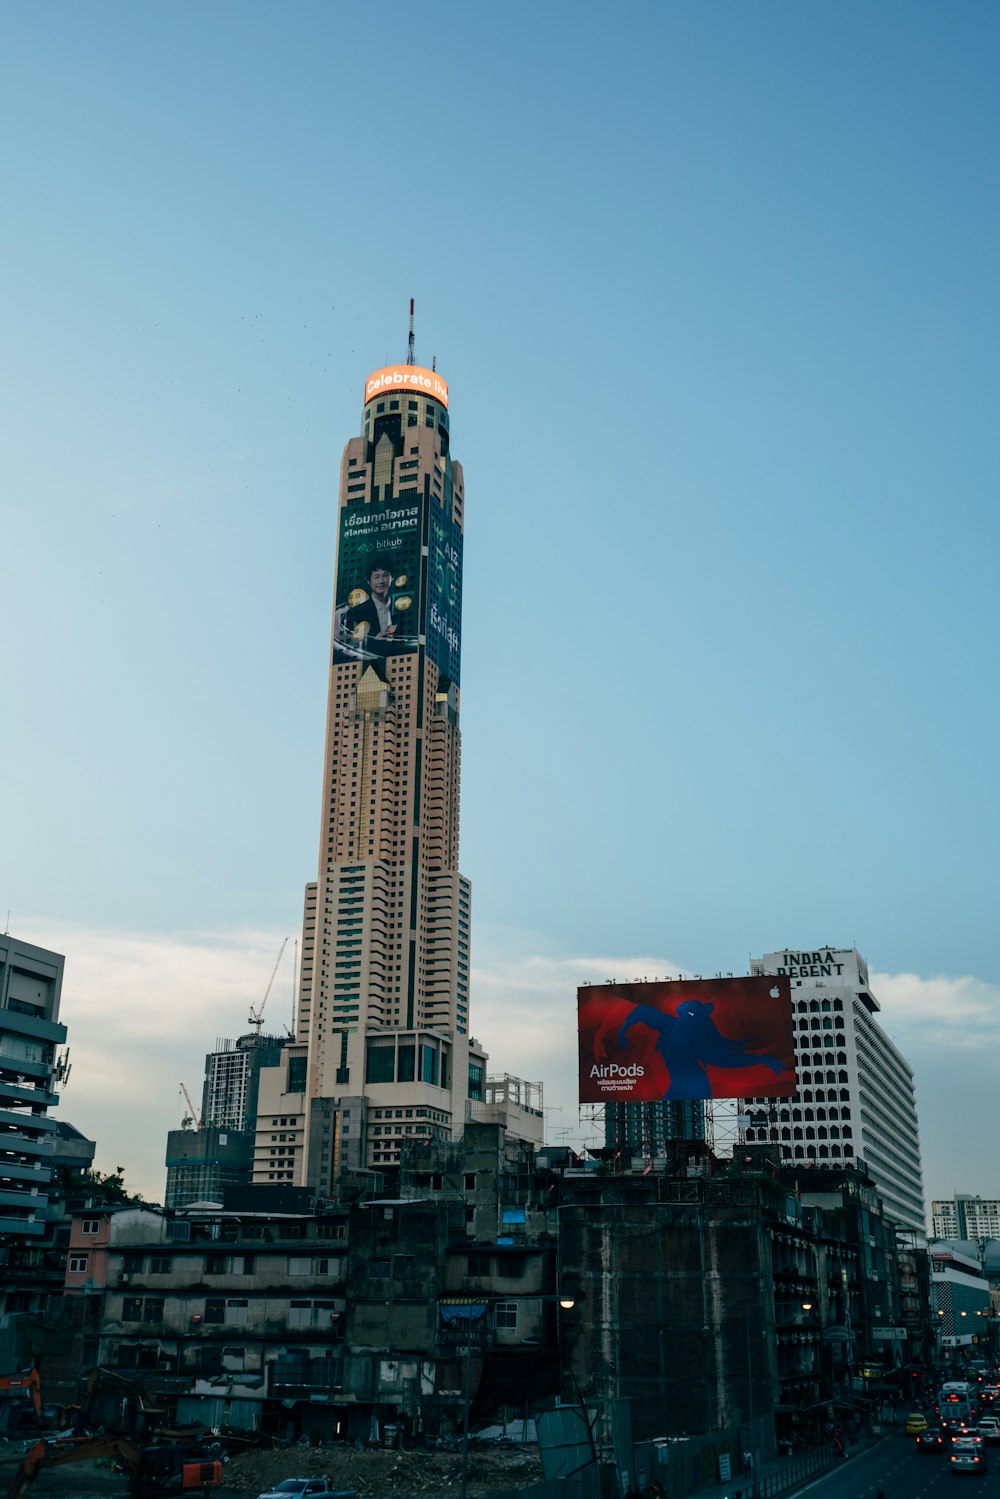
[444,595]
[377,609]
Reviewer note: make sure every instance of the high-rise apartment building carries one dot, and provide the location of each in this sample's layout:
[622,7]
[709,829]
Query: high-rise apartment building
[965,1217]
[650,1130]
[855,1100]
[30,1032]
[202,1163]
[232,1074]
[383,1050]
[218,1151]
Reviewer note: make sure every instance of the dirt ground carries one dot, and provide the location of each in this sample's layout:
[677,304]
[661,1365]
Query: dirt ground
[374,1474]
[371,1474]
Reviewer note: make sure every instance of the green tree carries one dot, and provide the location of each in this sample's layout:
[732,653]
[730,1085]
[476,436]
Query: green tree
[104,1188]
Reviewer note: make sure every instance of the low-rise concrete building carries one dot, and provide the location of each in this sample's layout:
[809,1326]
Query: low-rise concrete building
[206,1295]
[961,1304]
[736,1310]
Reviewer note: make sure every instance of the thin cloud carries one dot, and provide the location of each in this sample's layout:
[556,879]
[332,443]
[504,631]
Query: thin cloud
[524,1012]
[961,1013]
[143,1009]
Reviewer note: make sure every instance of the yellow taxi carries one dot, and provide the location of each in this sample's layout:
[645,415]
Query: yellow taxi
[915,1424]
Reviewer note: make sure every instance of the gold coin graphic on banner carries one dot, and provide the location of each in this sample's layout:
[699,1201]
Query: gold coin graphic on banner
[401,581]
[361,629]
[401,602]
[356,596]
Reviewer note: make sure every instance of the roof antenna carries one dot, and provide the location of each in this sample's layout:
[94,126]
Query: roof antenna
[410,354]
[434,363]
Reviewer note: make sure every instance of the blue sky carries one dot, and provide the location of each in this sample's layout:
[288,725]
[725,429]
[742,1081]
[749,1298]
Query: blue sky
[714,288]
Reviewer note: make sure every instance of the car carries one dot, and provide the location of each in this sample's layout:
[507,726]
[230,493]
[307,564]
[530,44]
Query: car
[306,1488]
[967,1456]
[930,1441]
[915,1424]
[989,1428]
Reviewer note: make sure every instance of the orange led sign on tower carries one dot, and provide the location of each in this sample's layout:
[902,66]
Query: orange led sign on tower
[411,377]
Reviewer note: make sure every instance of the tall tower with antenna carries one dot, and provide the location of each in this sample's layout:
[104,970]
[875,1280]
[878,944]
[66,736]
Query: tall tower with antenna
[383,1050]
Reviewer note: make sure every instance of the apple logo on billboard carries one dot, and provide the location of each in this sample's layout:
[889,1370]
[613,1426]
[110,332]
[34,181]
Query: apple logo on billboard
[775,992]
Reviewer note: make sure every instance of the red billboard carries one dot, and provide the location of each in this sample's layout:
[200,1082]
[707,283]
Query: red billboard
[699,1038]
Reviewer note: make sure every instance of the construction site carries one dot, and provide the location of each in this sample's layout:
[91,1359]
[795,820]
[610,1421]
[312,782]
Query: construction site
[492,1468]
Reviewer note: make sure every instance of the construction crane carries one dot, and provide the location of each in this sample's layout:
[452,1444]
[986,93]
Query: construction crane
[257,1015]
[195,1116]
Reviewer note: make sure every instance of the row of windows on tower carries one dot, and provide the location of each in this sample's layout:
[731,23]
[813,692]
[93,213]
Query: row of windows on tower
[806,1115]
[433,1114]
[407,483]
[423,406]
[805,1078]
[809,1132]
[817,1152]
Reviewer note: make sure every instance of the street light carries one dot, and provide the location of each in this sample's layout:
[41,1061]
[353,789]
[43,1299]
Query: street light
[566,1303]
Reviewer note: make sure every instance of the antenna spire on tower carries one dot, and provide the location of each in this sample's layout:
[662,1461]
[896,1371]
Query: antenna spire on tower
[411,357]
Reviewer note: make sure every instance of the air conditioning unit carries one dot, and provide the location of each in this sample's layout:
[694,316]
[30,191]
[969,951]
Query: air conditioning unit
[124,1279]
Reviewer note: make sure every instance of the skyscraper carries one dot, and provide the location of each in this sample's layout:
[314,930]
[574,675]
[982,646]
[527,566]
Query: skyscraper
[382,1048]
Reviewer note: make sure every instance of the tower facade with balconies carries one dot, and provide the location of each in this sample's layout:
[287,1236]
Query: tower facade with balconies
[383,1050]
[30,1032]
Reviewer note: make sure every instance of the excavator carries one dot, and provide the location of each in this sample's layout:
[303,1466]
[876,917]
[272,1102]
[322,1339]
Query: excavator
[177,1468]
[177,1462]
[28,1382]
[139,1417]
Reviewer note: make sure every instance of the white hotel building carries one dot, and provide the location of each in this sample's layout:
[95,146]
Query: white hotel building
[855,1101]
